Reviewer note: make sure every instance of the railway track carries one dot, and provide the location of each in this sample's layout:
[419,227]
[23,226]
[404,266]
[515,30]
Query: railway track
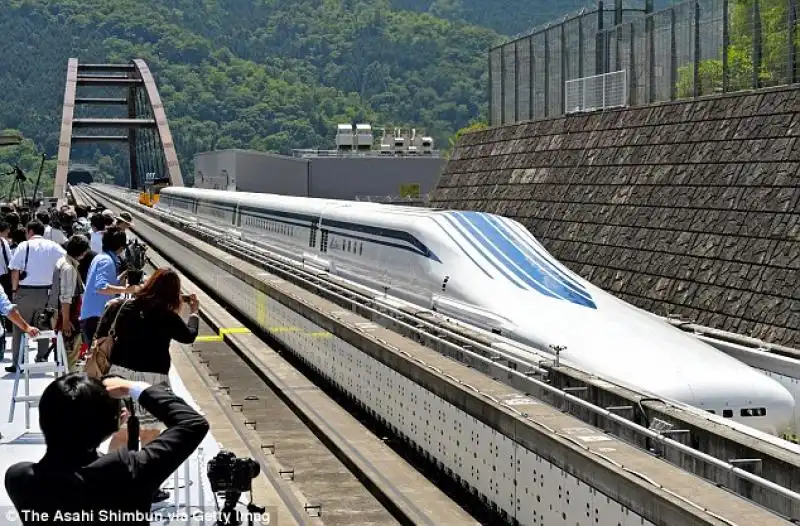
[314,447]
[475,349]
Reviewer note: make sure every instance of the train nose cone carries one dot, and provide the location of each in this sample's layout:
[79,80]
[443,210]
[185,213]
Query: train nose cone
[780,405]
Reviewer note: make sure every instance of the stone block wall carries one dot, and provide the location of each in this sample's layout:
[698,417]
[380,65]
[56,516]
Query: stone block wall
[686,208]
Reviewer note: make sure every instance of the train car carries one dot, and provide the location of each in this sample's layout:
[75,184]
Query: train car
[490,271]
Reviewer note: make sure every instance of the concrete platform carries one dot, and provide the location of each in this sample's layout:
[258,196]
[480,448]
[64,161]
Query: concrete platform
[192,503]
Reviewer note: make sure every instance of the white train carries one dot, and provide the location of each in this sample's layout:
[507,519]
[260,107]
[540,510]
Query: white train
[490,271]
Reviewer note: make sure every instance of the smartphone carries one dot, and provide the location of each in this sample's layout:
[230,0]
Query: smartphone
[186,298]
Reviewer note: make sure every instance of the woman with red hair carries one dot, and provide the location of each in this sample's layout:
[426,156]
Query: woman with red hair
[145,327]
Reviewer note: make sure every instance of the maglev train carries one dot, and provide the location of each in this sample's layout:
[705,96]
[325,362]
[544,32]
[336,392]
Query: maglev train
[489,271]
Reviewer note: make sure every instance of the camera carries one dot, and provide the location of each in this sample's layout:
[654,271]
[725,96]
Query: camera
[227,472]
[44,319]
[135,261]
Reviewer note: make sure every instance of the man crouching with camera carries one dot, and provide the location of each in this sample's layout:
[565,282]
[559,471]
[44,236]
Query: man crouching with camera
[76,414]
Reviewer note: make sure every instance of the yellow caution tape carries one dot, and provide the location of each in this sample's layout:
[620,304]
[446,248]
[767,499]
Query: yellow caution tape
[222,332]
[210,338]
[234,330]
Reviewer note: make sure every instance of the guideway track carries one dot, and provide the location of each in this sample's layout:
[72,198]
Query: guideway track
[324,460]
[596,464]
[708,449]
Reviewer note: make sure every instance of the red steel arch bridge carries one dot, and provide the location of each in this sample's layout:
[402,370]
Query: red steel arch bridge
[142,125]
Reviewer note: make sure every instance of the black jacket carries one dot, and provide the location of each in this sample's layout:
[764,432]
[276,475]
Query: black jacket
[122,481]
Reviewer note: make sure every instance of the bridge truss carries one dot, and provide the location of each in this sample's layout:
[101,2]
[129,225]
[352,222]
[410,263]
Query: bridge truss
[144,122]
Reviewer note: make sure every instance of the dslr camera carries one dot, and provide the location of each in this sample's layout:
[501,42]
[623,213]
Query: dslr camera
[135,261]
[45,319]
[228,473]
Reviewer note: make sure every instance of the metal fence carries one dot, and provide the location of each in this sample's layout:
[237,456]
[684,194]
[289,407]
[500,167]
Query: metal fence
[694,48]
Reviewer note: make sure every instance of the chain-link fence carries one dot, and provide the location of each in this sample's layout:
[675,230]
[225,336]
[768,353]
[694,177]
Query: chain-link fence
[694,48]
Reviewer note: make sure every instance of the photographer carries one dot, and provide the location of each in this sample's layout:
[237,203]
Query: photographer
[76,414]
[144,330]
[66,294]
[102,282]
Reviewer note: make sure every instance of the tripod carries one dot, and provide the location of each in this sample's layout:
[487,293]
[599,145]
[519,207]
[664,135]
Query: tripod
[230,516]
[18,184]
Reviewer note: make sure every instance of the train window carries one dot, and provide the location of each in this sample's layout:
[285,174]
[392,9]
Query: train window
[753,411]
[348,245]
[727,413]
[360,248]
[711,411]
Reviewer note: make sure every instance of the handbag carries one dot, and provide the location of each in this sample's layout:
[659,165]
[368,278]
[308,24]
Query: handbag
[98,361]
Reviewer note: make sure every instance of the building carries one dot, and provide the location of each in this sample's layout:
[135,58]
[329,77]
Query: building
[406,168]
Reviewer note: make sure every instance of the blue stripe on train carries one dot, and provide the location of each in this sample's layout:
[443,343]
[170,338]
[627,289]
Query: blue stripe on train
[515,261]
[539,259]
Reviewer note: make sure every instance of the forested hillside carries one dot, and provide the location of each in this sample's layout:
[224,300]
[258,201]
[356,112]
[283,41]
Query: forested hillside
[512,17]
[265,74]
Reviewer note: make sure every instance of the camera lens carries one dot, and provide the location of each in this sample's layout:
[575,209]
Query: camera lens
[255,468]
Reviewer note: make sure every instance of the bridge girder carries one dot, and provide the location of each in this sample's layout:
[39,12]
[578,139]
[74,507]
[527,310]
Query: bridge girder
[150,145]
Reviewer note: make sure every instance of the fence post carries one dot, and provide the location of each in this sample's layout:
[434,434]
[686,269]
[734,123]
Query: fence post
[581,46]
[757,44]
[563,54]
[673,57]
[516,81]
[533,78]
[632,68]
[651,53]
[503,85]
[546,73]
[599,53]
[696,81]
[491,92]
[726,44]
[791,9]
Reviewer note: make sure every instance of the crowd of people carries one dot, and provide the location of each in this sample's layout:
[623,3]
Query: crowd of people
[75,263]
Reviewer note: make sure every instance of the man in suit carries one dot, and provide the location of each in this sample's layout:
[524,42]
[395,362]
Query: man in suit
[76,414]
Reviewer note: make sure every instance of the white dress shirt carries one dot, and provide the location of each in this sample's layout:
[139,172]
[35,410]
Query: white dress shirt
[55,235]
[42,258]
[5,253]
[96,242]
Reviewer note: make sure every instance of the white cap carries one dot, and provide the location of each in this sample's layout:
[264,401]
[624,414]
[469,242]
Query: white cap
[108,212]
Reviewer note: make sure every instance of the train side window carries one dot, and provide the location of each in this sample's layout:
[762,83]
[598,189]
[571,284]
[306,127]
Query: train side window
[711,411]
[360,248]
[727,413]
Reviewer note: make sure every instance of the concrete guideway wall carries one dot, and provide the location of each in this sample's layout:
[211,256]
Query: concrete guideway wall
[473,425]
[689,208]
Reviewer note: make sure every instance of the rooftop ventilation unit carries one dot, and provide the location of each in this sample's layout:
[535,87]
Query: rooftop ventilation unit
[399,142]
[413,146]
[426,145]
[386,146]
[364,138]
[345,140]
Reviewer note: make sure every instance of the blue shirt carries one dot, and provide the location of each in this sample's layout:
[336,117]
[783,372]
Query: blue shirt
[5,304]
[102,273]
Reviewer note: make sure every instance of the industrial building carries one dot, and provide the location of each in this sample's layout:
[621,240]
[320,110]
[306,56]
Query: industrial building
[400,167]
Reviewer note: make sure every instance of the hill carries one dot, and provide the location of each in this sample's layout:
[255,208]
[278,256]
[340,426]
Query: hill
[270,75]
[511,17]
